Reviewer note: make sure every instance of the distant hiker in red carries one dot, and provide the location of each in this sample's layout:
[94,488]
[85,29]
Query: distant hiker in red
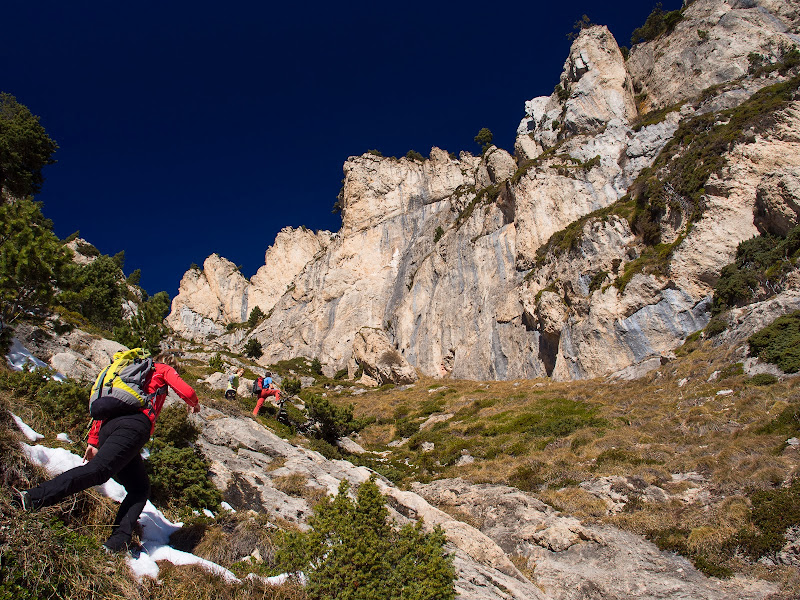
[268,388]
[114,451]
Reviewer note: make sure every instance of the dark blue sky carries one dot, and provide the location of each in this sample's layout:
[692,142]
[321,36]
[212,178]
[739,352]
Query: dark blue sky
[211,126]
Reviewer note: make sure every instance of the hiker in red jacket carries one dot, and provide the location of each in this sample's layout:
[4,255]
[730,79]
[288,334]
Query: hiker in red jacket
[114,451]
[268,388]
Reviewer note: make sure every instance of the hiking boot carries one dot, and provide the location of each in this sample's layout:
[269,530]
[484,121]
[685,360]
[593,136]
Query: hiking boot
[21,500]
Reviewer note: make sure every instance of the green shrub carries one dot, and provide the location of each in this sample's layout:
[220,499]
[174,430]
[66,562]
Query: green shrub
[787,423]
[94,290]
[145,328]
[779,343]
[528,477]
[438,234]
[292,386]
[715,327]
[216,362]
[550,417]
[762,379]
[32,259]
[352,552]
[179,479]
[334,421]
[316,366]
[773,512]
[340,374]
[405,428]
[178,472]
[252,349]
[484,138]
[174,427]
[657,23]
[414,155]
[64,406]
[761,264]
[676,539]
[597,280]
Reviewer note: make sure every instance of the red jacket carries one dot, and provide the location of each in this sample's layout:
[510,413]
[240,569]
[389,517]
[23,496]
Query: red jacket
[162,375]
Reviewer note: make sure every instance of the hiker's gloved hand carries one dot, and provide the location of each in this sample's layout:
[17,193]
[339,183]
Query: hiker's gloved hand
[90,453]
[194,409]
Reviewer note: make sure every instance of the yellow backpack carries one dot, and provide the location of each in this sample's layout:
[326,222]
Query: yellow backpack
[120,388]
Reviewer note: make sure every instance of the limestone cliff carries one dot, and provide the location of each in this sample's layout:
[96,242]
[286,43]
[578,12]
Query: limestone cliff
[531,265]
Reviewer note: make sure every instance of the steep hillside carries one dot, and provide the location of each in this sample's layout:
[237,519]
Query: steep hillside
[592,250]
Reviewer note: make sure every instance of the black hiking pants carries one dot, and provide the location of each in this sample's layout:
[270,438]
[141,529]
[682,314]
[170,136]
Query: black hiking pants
[120,442]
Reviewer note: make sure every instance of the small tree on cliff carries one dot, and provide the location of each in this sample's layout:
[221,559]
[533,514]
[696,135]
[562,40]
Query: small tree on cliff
[484,138]
[252,349]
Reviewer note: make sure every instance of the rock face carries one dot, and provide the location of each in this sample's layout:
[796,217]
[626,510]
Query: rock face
[500,267]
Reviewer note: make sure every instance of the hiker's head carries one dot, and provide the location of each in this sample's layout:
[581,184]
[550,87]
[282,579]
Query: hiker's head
[240,371]
[168,357]
[267,374]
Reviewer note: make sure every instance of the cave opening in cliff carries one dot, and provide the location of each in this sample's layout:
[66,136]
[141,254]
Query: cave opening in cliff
[548,350]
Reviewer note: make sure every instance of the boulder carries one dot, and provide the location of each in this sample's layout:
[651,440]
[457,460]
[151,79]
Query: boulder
[381,361]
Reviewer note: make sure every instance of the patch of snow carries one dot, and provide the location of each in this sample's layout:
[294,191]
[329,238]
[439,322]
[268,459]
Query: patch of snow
[19,356]
[275,579]
[208,513]
[683,382]
[724,392]
[228,507]
[26,429]
[793,442]
[63,437]
[713,376]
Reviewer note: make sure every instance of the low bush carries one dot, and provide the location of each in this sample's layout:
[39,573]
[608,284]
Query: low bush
[762,379]
[657,23]
[352,551]
[63,406]
[179,472]
[291,386]
[773,512]
[779,343]
[334,421]
[556,417]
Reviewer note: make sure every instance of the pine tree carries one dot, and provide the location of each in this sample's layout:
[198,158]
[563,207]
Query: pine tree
[352,552]
[31,260]
[25,148]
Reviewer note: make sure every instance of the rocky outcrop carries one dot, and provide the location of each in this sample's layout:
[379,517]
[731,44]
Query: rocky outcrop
[711,45]
[219,295]
[778,202]
[380,361]
[449,257]
[76,354]
[572,560]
